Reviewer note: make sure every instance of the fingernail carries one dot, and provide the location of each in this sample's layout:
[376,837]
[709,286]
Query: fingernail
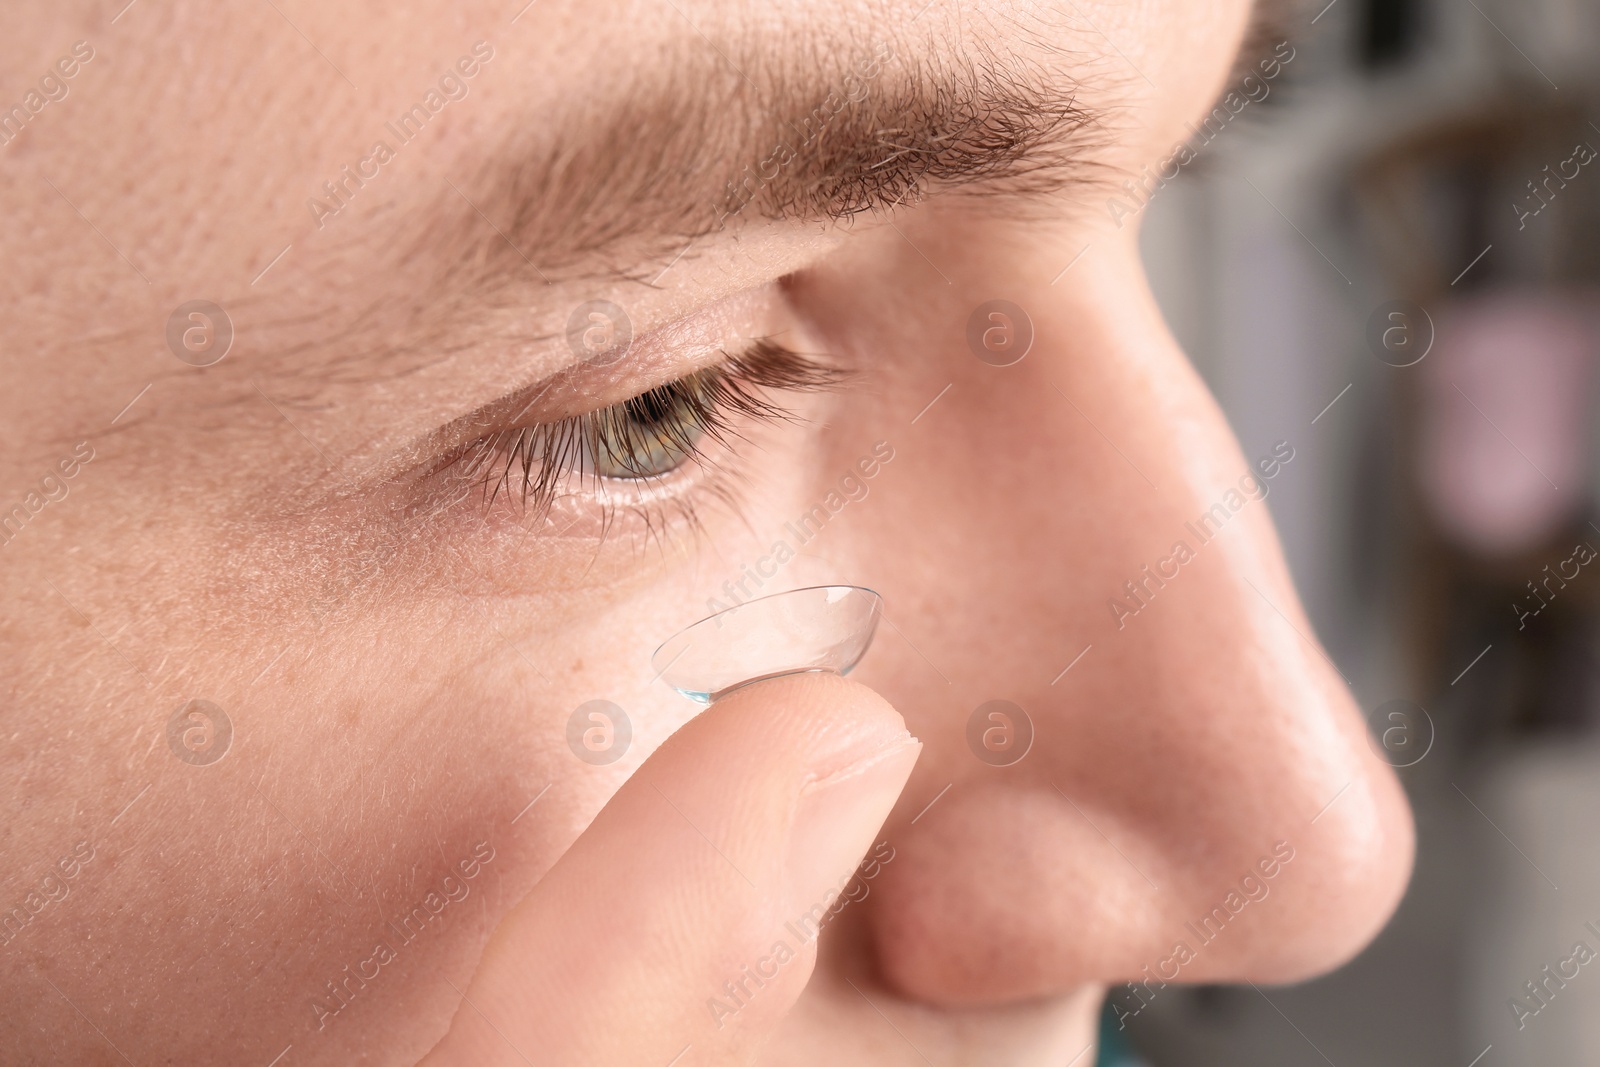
[838,818]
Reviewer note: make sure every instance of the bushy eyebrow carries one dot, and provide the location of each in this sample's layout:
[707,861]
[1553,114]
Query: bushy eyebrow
[620,176]
[621,182]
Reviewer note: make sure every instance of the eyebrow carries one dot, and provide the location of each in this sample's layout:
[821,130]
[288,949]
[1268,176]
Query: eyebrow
[619,186]
[622,181]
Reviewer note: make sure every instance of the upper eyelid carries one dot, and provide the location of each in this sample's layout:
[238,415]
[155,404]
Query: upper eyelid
[571,392]
[515,381]
[662,356]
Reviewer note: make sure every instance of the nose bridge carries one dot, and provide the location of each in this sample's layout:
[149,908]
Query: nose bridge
[1189,614]
[1090,545]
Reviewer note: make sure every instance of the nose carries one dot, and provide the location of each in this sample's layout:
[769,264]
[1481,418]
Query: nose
[1189,792]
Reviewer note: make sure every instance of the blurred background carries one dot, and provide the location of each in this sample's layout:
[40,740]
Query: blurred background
[1389,261]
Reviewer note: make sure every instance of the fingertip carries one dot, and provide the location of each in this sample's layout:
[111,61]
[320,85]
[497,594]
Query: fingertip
[836,722]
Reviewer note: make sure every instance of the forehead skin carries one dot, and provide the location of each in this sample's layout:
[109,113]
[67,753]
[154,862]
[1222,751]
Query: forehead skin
[179,167]
[210,131]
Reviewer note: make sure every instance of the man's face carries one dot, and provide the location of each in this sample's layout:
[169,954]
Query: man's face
[409,522]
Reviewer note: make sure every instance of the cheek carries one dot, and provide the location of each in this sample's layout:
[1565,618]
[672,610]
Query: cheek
[366,764]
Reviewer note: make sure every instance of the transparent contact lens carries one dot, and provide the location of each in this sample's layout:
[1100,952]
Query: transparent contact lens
[823,628]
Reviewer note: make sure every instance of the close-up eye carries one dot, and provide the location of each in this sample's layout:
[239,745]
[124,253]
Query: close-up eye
[651,434]
[642,442]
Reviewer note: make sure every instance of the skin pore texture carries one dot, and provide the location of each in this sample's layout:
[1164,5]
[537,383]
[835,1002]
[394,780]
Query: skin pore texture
[280,534]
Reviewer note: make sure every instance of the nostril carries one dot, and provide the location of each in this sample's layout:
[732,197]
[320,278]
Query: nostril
[1008,891]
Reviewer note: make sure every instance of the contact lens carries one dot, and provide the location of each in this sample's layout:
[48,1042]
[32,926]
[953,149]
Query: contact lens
[822,628]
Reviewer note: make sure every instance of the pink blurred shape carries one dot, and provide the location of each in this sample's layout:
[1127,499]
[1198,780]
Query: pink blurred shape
[1505,408]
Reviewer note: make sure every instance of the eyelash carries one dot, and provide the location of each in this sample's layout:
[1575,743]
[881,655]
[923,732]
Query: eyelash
[537,462]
